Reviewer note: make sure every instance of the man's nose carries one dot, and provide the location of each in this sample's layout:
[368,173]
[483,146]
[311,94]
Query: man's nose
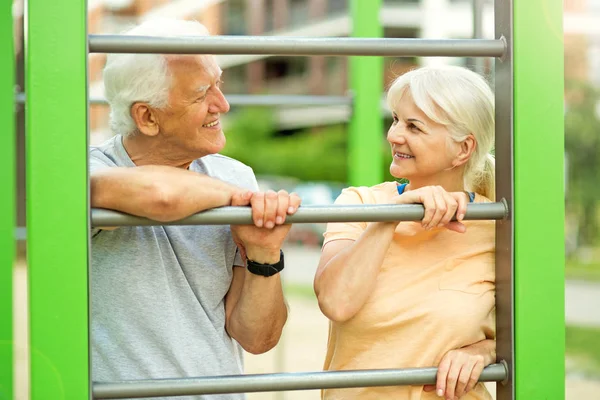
[219,103]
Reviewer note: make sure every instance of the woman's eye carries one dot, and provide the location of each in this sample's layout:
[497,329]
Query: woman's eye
[413,127]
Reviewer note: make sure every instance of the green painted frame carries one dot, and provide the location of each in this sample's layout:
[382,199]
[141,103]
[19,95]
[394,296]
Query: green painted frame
[57,198]
[539,276]
[7,200]
[57,201]
[365,152]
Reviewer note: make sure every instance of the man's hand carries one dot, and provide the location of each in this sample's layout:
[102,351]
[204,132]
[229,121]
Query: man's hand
[261,242]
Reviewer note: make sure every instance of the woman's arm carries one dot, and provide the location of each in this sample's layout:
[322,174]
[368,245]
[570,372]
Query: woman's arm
[348,270]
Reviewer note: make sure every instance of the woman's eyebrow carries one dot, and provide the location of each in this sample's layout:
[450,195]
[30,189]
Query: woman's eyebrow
[416,120]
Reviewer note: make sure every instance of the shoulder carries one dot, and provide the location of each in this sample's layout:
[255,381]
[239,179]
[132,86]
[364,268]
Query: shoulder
[227,169]
[219,160]
[481,199]
[103,154]
[378,194]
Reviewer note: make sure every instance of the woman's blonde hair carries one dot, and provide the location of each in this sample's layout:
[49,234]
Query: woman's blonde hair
[461,100]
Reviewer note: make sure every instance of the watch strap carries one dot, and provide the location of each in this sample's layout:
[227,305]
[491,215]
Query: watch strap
[266,269]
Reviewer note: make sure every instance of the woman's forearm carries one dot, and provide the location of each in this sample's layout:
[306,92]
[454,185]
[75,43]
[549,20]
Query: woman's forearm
[346,281]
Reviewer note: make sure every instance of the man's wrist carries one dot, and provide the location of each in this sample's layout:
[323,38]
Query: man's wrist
[263,256]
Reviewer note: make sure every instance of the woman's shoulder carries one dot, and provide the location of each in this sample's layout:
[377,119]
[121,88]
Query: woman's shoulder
[377,194]
[479,198]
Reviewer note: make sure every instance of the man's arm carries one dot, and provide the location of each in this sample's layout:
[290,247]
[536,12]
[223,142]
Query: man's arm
[254,306]
[255,310]
[160,193]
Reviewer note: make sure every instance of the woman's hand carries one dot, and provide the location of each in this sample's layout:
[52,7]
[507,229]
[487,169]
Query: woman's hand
[440,206]
[460,369]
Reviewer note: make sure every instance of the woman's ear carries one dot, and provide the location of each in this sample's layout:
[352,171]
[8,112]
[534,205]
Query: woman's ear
[467,148]
[145,119]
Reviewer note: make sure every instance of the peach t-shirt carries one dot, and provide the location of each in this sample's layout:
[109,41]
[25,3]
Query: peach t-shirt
[435,292]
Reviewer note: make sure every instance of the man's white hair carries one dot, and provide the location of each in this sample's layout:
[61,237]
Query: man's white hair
[130,78]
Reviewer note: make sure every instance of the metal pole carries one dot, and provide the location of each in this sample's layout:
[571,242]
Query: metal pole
[296,46]
[305,214]
[365,134]
[254,100]
[539,215]
[57,207]
[278,382]
[504,189]
[478,30]
[7,200]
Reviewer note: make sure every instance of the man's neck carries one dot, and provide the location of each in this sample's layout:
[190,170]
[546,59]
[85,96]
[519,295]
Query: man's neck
[150,151]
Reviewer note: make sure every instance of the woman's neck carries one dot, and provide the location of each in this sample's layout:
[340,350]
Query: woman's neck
[450,183]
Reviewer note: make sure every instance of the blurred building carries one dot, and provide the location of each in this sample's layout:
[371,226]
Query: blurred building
[257,74]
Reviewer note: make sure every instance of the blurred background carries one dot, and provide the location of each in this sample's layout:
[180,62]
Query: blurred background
[304,148]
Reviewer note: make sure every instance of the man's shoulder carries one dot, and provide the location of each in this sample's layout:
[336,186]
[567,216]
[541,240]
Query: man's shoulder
[219,160]
[227,169]
[104,150]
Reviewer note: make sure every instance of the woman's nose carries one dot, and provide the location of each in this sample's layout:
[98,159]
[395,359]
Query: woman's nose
[396,135]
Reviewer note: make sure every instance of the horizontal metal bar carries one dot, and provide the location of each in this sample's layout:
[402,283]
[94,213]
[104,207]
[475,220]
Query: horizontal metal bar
[255,100]
[287,100]
[297,46]
[278,382]
[305,214]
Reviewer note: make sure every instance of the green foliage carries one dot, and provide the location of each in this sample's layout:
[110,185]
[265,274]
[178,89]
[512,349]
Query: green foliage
[585,271]
[318,154]
[582,144]
[583,346]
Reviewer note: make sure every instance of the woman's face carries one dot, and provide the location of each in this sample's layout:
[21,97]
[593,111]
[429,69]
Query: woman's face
[422,149]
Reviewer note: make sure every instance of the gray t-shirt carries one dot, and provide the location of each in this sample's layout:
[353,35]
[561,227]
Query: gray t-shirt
[157,293]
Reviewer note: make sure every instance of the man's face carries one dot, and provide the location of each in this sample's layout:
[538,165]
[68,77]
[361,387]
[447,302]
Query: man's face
[191,122]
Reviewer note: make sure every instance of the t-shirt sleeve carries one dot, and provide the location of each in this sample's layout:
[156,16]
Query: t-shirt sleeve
[97,162]
[346,230]
[238,262]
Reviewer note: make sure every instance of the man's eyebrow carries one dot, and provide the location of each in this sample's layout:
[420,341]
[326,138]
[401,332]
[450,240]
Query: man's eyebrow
[201,89]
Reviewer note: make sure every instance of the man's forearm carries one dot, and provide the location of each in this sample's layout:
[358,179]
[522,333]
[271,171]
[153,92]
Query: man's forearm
[260,313]
[158,192]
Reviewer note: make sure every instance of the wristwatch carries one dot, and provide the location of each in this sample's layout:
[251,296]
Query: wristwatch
[266,269]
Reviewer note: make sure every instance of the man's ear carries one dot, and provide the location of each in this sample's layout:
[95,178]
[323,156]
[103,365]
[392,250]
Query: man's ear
[467,148]
[145,118]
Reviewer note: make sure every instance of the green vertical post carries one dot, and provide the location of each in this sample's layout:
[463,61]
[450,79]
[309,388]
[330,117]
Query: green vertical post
[365,157]
[57,193]
[539,328]
[7,200]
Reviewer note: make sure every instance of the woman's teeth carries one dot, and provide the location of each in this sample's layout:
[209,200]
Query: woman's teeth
[401,155]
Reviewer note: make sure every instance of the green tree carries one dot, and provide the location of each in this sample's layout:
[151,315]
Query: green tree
[582,145]
[318,154]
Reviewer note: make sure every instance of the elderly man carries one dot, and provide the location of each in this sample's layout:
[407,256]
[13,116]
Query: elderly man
[177,301]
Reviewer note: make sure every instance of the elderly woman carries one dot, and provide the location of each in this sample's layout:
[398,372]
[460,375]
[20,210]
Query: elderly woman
[419,294]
